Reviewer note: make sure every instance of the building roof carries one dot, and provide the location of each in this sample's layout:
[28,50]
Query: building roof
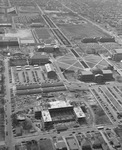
[118,51]
[86,144]
[60,144]
[46,144]
[49,67]
[12,9]
[36,109]
[87,73]
[18,131]
[38,55]
[96,70]
[79,113]
[107,71]
[72,143]
[97,143]
[20,117]
[24,87]
[53,89]
[59,104]
[46,116]
[27,41]
[52,84]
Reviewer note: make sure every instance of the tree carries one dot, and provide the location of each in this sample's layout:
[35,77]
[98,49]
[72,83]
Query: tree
[27,125]
[2,110]
[14,120]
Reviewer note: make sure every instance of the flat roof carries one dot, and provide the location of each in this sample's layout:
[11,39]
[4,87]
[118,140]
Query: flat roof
[46,116]
[118,51]
[72,143]
[87,72]
[79,113]
[59,104]
[38,55]
[36,109]
[107,71]
[49,67]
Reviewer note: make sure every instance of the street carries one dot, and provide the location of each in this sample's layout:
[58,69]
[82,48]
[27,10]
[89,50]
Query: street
[9,134]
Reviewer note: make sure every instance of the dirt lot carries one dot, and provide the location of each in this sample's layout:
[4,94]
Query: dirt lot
[22,34]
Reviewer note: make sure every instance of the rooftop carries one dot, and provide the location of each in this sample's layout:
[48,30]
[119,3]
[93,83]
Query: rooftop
[46,116]
[87,73]
[39,56]
[46,144]
[79,113]
[107,71]
[118,51]
[49,67]
[59,104]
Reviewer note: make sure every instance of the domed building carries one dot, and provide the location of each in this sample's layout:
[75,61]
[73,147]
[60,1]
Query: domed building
[98,75]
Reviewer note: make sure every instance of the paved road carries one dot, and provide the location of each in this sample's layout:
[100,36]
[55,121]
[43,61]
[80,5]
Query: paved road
[9,134]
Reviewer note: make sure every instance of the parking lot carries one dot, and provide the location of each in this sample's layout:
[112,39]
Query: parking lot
[27,75]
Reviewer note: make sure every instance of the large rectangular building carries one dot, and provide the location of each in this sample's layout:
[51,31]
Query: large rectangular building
[117,56]
[57,105]
[86,76]
[46,118]
[72,144]
[50,71]
[107,75]
[61,111]
[79,113]
[38,59]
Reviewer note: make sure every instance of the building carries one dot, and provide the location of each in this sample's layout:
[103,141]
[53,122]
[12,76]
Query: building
[61,145]
[59,105]
[29,91]
[46,144]
[21,118]
[86,76]
[48,48]
[57,112]
[89,40]
[72,144]
[46,118]
[39,59]
[97,144]
[2,10]
[106,39]
[12,10]
[55,84]
[53,89]
[98,75]
[37,111]
[79,113]
[98,78]
[86,145]
[61,127]
[18,131]
[2,31]
[25,87]
[107,75]
[50,71]
[7,42]
[117,56]
[37,25]
[5,25]
[61,111]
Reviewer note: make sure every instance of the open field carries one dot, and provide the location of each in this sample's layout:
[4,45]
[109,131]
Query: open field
[27,9]
[81,30]
[43,34]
